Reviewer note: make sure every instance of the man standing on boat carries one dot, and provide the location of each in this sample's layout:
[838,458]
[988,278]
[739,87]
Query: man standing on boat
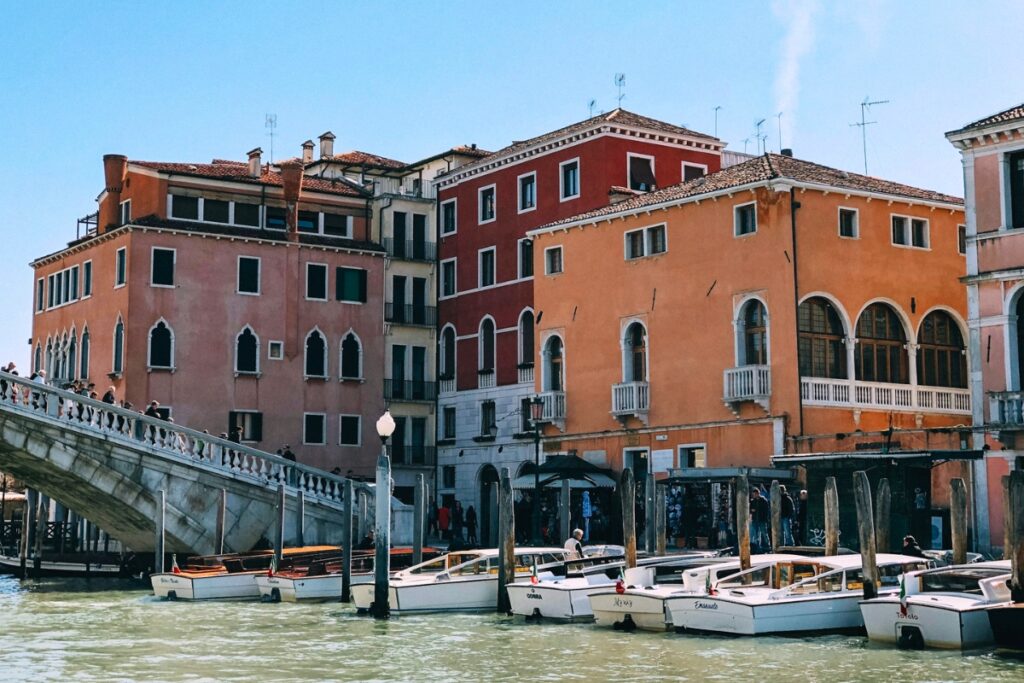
[787,511]
[573,544]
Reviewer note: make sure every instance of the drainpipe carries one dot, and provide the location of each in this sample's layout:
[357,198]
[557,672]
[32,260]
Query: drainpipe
[793,206]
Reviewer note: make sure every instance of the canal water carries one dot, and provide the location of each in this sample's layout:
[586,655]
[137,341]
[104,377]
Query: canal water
[68,630]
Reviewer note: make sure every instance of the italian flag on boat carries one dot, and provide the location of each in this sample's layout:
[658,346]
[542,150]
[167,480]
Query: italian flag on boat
[273,566]
[903,596]
[175,569]
[533,574]
[708,588]
[620,584]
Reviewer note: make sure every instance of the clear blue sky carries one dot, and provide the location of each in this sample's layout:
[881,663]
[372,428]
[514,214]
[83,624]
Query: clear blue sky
[189,81]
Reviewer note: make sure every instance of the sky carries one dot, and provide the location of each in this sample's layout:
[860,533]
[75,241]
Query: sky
[190,81]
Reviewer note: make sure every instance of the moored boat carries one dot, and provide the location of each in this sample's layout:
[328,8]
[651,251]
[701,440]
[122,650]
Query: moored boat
[1007,623]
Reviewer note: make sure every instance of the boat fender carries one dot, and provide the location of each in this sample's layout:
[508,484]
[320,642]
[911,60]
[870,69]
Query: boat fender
[627,624]
[911,638]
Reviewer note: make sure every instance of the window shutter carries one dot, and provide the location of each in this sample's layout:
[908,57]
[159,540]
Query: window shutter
[257,426]
[339,284]
[362,286]
[232,421]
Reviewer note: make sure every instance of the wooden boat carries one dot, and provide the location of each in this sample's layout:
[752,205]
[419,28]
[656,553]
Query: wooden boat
[941,608]
[1007,622]
[62,568]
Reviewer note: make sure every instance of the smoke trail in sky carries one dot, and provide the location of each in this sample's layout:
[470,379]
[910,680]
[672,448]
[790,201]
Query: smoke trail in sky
[797,17]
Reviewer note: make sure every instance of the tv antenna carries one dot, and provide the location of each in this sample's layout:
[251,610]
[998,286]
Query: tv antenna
[270,123]
[745,141]
[757,134]
[592,105]
[779,117]
[620,83]
[717,107]
[863,125]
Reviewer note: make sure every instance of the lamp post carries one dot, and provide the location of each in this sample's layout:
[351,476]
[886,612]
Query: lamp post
[382,522]
[536,413]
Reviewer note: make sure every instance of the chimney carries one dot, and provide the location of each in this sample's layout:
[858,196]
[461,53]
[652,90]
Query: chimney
[115,168]
[327,145]
[787,152]
[307,151]
[291,179]
[254,162]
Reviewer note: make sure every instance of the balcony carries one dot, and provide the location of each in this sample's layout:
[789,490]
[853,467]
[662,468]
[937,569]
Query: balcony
[526,373]
[447,385]
[409,390]
[631,399]
[747,383]
[554,408]
[407,314]
[412,188]
[412,454]
[1006,408]
[410,250]
[486,379]
[844,393]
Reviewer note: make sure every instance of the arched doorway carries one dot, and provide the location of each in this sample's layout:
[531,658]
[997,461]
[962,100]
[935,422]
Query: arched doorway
[488,506]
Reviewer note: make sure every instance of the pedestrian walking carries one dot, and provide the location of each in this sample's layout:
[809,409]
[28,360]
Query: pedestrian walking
[471,526]
[787,517]
[457,520]
[760,513]
[442,521]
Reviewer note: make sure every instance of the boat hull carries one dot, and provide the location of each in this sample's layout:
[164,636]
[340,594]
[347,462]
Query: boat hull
[719,614]
[553,601]
[238,586]
[642,610]
[1007,623]
[926,625]
[51,568]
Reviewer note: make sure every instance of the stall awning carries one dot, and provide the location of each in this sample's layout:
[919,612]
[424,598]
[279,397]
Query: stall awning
[923,457]
[719,474]
[591,481]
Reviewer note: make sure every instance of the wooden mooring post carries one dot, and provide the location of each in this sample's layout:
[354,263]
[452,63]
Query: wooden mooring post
[419,521]
[161,526]
[28,525]
[775,499]
[1007,518]
[222,517]
[506,540]
[346,541]
[300,518]
[831,517]
[1016,544]
[866,533]
[279,525]
[381,607]
[958,519]
[627,498]
[743,520]
[650,514]
[565,513]
[42,517]
[661,518]
[883,516]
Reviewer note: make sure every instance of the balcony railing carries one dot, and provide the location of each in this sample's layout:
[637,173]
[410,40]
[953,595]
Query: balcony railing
[554,406]
[410,250]
[526,373]
[631,398]
[407,314]
[409,390]
[747,383]
[1006,408]
[405,187]
[486,379]
[843,393]
[412,454]
[447,386]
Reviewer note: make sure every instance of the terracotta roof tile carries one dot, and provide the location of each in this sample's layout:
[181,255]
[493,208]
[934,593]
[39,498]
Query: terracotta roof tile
[238,171]
[471,151]
[1011,114]
[357,158]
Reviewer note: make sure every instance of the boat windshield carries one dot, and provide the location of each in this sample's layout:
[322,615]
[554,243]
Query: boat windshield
[888,575]
[957,580]
[794,572]
[479,566]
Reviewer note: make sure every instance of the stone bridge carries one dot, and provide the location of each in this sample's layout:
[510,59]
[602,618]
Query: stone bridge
[108,465]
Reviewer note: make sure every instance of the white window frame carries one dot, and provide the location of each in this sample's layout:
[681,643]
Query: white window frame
[114,370]
[480,344]
[149,346]
[327,282]
[247,373]
[259,275]
[362,376]
[455,216]
[241,434]
[40,295]
[691,164]
[480,267]
[122,255]
[124,211]
[444,421]
[961,228]
[174,266]
[690,446]
[305,436]
[629,157]
[561,258]
[519,192]
[856,223]
[271,344]
[736,222]
[480,204]
[82,293]
[910,232]
[327,354]
[562,197]
[359,431]
[519,257]
[455,278]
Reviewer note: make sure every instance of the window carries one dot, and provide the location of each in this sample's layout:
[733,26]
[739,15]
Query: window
[161,346]
[247,214]
[635,354]
[754,327]
[635,244]
[350,284]
[961,239]
[37,364]
[316,355]
[448,217]
[1015,189]
[247,352]
[277,217]
[693,456]
[40,294]
[248,423]
[525,257]
[880,354]
[693,171]
[488,424]
[162,271]
[216,211]
[309,221]
[126,211]
[553,379]
[185,207]
[248,275]
[117,365]
[448,277]
[486,344]
[941,361]
[50,280]
[275,350]
[569,179]
[821,343]
[351,357]
[656,242]
[314,429]
[87,279]
[448,428]
[486,267]
[848,223]
[120,267]
[337,225]
[553,260]
[485,199]
[527,192]
[910,232]
[641,173]
[350,430]
[447,353]
[84,360]
[316,281]
[645,242]
[448,476]
[745,219]
[526,322]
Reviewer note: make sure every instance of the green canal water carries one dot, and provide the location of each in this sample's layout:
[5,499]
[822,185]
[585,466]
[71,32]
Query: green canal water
[67,630]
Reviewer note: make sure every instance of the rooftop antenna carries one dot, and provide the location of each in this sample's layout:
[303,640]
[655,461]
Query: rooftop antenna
[745,141]
[592,105]
[271,124]
[863,125]
[717,107]
[779,117]
[757,134]
[620,83]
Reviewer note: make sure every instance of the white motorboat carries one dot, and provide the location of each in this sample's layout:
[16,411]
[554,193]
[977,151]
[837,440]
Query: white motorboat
[567,598]
[466,580]
[941,608]
[810,595]
[640,602]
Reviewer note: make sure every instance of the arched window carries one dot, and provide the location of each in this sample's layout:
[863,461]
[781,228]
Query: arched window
[1019,311]
[351,357]
[84,374]
[72,363]
[316,355]
[49,358]
[940,354]
[61,362]
[754,329]
[526,338]
[161,346]
[821,347]
[448,353]
[117,365]
[881,354]
[634,366]
[553,377]
[38,364]
[247,352]
[487,345]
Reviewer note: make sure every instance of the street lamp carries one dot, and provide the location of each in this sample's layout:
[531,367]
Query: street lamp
[382,520]
[536,413]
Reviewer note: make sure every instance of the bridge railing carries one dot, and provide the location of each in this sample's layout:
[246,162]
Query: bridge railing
[21,395]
